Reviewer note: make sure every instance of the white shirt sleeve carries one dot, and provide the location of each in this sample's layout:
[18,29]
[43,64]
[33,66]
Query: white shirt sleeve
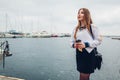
[97,37]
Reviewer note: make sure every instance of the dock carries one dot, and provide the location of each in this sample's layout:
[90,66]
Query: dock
[116,38]
[9,78]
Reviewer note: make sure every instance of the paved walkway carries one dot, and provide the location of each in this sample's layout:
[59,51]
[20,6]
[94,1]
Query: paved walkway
[9,78]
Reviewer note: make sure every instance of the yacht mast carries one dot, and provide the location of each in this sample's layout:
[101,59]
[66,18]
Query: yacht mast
[6,20]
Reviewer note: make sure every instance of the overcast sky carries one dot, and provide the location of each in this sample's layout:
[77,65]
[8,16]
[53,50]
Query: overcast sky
[58,15]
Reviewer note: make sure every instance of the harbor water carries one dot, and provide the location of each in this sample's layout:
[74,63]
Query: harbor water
[54,59]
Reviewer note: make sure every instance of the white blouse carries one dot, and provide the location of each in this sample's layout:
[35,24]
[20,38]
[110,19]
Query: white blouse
[86,37]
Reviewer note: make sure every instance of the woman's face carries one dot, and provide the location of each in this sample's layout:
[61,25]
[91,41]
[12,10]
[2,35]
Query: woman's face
[80,16]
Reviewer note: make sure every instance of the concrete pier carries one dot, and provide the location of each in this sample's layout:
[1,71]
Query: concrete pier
[9,78]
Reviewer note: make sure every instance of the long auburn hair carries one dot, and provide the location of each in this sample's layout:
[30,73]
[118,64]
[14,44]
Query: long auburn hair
[87,21]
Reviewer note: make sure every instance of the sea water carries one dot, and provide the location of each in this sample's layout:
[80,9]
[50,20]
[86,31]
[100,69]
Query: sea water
[54,59]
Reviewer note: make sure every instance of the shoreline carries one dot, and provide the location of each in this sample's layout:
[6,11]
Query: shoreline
[116,38]
[9,78]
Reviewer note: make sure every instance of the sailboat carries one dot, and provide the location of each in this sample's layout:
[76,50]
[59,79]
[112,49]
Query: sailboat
[16,34]
[12,33]
[45,34]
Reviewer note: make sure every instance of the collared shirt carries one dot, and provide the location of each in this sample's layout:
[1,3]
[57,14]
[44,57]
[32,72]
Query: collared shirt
[85,36]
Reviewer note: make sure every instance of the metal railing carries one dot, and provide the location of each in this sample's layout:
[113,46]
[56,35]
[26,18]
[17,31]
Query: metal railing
[4,48]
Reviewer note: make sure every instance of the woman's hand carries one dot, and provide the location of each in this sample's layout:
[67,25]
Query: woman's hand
[79,45]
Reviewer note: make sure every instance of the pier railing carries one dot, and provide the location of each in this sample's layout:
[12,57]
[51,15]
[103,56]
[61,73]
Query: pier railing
[4,47]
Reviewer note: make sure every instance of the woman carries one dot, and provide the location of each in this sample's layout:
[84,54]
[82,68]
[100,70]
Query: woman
[85,43]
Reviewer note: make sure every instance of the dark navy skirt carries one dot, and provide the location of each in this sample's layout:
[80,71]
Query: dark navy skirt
[85,61]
